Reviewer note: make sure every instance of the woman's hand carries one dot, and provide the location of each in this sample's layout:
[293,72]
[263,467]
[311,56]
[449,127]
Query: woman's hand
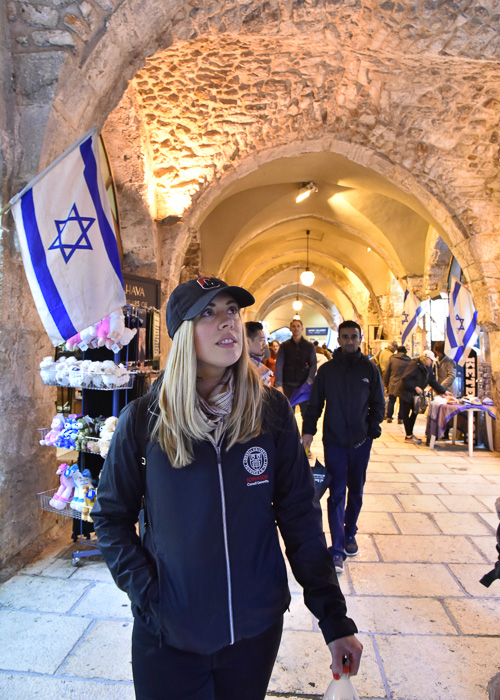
[345,646]
[419,390]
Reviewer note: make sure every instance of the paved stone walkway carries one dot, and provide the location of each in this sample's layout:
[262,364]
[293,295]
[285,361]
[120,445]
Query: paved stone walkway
[429,628]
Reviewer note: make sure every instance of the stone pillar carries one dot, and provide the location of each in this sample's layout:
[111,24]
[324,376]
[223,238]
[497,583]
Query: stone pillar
[26,404]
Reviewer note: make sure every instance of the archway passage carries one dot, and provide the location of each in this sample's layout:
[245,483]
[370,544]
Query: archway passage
[213,115]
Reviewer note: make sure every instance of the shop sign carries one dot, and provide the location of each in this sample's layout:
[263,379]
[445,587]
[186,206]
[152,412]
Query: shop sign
[142,291]
[470,375]
[317,331]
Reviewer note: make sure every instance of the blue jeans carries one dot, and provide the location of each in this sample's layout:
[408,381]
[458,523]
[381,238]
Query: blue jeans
[347,469]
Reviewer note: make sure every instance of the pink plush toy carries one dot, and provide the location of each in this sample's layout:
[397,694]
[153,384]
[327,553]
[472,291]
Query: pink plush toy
[102,332]
[65,491]
[56,427]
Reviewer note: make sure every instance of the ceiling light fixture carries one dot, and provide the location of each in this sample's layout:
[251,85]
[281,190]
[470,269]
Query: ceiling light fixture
[307,277]
[305,190]
[297,304]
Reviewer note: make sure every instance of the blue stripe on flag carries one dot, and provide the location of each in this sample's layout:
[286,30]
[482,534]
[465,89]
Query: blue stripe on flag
[470,330]
[450,334]
[409,328]
[47,285]
[108,236]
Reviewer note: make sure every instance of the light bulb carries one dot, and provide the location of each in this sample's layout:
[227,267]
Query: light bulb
[307,277]
[297,305]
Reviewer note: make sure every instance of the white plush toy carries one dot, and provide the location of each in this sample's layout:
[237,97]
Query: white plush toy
[107,431]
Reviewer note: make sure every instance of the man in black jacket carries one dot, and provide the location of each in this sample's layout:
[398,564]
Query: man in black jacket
[352,388]
[396,367]
[295,364]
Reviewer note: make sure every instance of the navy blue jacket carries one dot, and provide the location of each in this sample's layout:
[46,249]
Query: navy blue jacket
[355,403]
[210,571]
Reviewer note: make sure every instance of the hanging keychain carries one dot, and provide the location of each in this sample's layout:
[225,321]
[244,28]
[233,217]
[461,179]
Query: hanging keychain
[342,689]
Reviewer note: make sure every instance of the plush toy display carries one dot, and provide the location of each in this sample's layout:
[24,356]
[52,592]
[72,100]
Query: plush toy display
[55,430]
[107,431]
[110,332]
[68,371]
[82,482]
[64,493]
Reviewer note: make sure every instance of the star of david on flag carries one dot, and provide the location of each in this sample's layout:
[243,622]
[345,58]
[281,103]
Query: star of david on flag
[411,313]
[68,242]
[461,325]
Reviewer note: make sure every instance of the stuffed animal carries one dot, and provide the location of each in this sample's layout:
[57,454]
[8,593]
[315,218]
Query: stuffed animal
[85,430]
[55,430]
[66,438]
[48,370]
[88,503]
[63,366]
[107,431]
[102,332]
[64,493]
[82,482]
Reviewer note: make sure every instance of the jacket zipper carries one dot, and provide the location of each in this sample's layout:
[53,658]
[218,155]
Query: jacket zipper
[226,546]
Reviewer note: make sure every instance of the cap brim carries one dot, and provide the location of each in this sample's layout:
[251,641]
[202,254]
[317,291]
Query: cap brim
[240,295]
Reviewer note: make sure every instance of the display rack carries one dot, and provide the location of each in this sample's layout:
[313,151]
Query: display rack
[68,512]
[105,393]
[99,382]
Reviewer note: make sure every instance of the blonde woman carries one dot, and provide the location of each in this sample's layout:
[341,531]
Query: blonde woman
[216,458]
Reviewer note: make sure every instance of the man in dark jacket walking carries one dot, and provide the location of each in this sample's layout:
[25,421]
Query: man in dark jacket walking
[395,369]
[295,364]
[352,388]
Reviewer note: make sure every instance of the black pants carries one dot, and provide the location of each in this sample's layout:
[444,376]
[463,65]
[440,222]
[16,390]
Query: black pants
[409,416]
[288,391]
[390,407]
[239,671]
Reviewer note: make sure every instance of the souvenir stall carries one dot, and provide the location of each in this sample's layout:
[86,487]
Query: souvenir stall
[96,377]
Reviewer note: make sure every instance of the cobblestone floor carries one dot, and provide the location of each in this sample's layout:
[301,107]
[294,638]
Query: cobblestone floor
[429,628]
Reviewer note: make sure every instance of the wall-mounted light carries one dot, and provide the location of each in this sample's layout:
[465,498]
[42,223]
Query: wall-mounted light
[368,250]
[306,189]
[307,276]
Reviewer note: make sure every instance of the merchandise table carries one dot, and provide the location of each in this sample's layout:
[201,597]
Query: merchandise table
[440,413]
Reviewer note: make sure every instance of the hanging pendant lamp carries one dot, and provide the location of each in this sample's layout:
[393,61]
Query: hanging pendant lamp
[307,277]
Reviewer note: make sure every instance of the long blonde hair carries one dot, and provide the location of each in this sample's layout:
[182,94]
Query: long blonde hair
[179,424]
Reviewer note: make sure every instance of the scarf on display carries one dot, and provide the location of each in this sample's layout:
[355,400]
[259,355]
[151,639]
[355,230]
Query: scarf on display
[215,410]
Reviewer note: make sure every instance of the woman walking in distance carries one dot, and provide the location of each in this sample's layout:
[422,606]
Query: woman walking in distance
[215,456]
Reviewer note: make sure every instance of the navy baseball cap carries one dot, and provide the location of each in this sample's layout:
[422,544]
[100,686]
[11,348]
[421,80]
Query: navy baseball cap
[189,299]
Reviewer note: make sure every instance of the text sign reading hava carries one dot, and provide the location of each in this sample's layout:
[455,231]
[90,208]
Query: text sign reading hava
[141,291]
[316,331]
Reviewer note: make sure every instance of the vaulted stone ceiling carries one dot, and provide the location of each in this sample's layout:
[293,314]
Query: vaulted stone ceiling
[410,85]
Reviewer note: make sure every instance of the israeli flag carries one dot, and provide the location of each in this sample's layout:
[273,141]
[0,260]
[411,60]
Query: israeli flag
[461,325]
[411,313]
[68,243]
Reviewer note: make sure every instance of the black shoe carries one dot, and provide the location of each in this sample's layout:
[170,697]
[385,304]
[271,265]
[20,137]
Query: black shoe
[351,546]
[388,420]
[338,563]
[400,422]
